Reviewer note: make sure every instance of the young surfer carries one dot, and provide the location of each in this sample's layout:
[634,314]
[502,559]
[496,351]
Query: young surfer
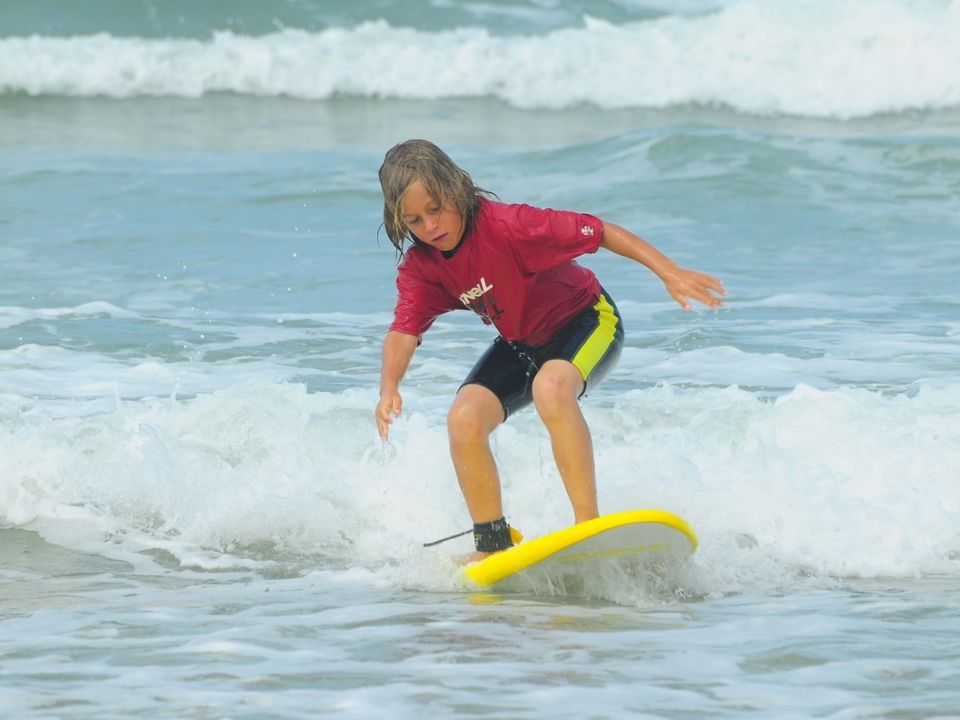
[559,331]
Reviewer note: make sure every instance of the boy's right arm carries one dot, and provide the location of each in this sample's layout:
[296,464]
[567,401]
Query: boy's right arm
[398,348]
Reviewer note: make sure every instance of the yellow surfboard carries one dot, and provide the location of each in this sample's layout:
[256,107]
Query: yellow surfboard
[630,534]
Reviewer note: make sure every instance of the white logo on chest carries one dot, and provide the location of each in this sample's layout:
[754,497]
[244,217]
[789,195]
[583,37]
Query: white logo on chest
[476,291]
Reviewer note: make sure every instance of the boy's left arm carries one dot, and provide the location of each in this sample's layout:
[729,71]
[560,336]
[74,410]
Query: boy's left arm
[682,284]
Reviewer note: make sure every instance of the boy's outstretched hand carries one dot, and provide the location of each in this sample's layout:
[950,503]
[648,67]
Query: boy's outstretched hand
[684,285]
[389,407]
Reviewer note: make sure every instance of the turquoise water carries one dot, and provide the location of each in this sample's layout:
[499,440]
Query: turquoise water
[196,516]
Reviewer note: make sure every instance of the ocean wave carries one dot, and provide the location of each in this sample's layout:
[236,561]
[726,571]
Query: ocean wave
[806,58]
[842,483]
[11,316]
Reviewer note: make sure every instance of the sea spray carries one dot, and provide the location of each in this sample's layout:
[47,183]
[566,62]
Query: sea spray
[842,483]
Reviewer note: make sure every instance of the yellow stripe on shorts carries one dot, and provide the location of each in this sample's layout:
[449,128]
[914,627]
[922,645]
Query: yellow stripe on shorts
[595,347]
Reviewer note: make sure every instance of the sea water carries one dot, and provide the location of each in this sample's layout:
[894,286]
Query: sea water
[197,518]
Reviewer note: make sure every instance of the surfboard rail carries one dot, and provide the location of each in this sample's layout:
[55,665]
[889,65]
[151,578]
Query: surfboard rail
[677,536]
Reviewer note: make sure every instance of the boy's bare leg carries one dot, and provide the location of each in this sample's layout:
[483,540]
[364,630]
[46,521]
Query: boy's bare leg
[556,388]
[475,414]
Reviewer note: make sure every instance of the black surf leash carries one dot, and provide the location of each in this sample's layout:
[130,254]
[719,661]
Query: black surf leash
[450,537]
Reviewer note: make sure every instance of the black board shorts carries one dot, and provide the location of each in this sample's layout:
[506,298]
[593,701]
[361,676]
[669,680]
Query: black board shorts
[592,341]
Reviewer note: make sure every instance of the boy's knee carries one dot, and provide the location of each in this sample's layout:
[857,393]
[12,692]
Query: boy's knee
[465,424]
[554,392]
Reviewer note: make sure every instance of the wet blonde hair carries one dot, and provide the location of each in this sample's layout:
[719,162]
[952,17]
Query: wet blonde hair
[443,179]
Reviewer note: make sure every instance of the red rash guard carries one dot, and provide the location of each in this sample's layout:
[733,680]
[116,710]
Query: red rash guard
[514,267]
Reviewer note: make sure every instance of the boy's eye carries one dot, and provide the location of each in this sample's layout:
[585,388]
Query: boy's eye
[436,210]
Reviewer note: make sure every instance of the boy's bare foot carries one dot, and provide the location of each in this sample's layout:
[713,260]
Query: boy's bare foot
[473,557]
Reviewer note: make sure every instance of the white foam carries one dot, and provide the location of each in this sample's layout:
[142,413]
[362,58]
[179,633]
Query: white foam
[826,483]
[814,58]
[845,482]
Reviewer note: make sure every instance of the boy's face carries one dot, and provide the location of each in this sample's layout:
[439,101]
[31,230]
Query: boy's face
[433,224]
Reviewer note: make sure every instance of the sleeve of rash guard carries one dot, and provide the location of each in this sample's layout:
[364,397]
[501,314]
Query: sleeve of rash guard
[544,238]
[419,302]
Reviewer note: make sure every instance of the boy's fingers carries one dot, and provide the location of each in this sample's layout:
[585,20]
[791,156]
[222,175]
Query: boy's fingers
[681,300]
[383,419]
[386,408]
[708,298]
